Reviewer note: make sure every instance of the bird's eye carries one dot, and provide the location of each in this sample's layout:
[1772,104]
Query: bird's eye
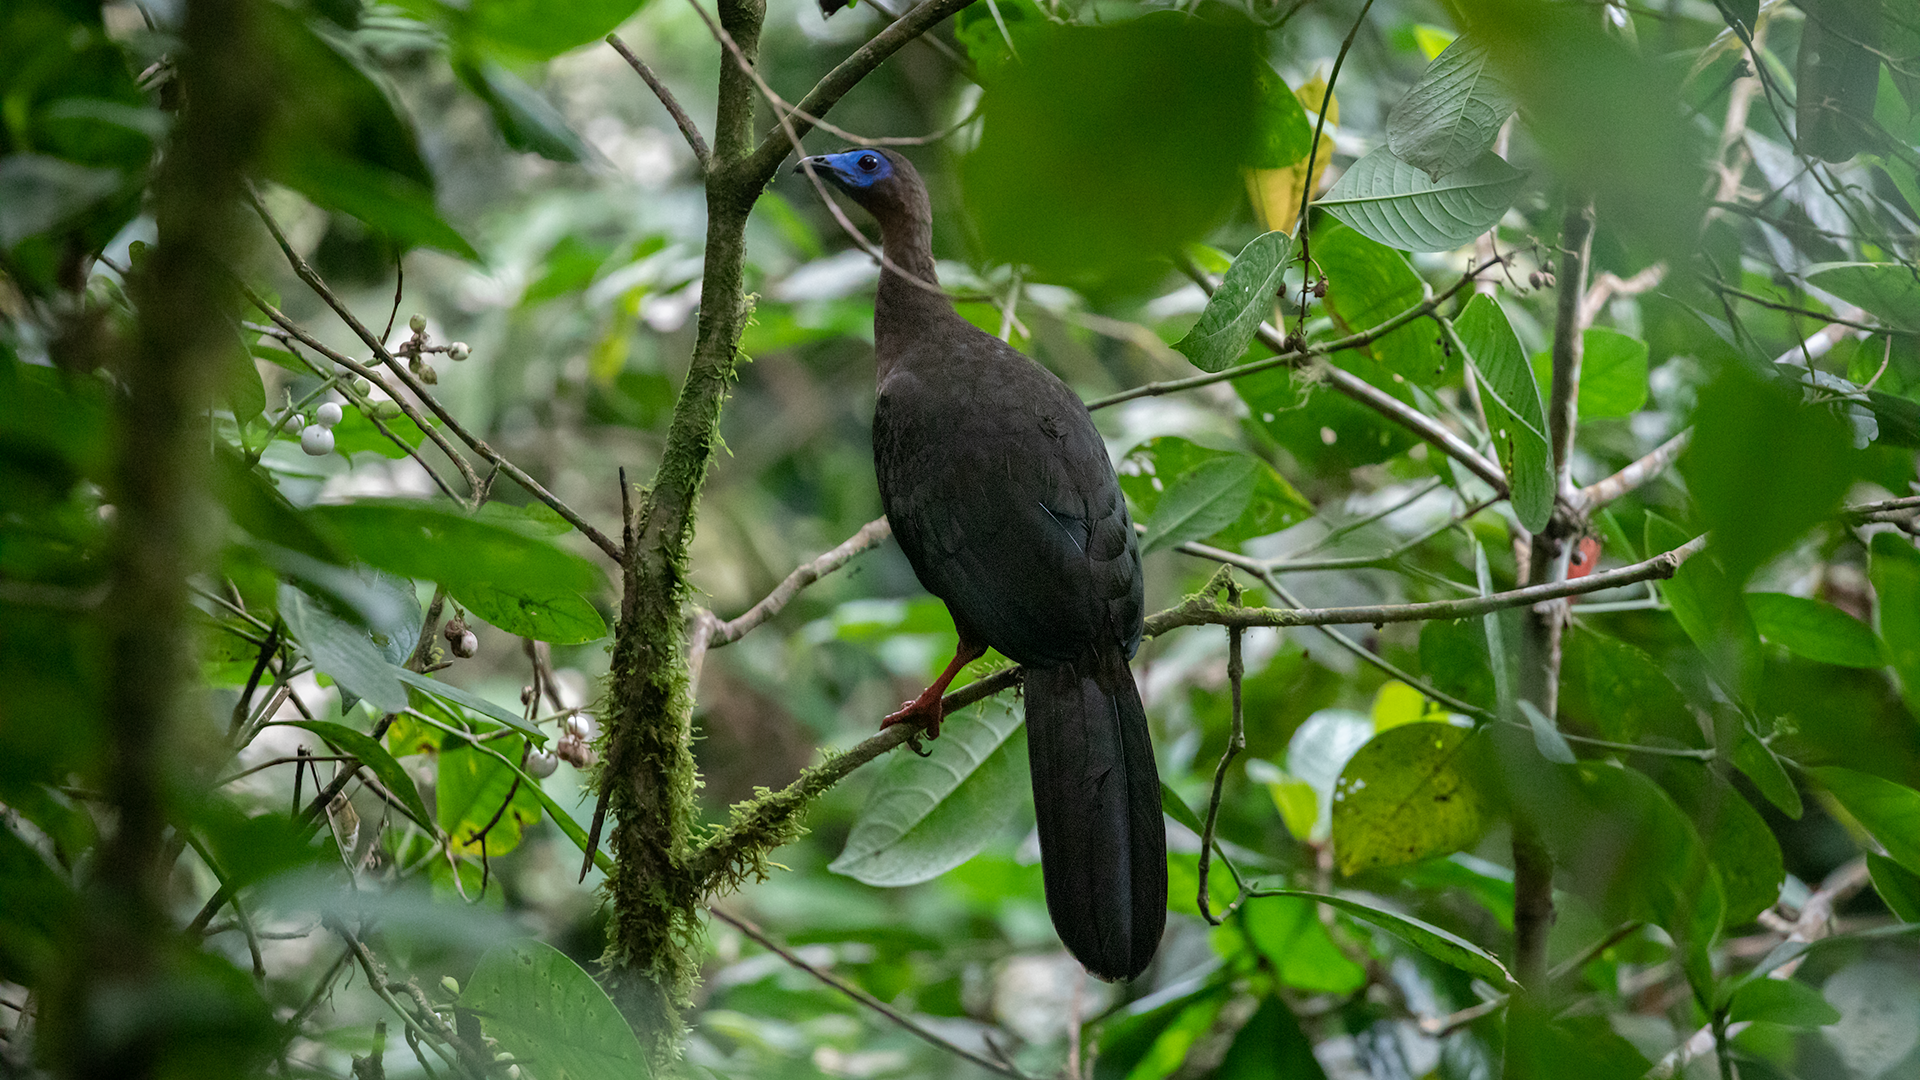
[869,163]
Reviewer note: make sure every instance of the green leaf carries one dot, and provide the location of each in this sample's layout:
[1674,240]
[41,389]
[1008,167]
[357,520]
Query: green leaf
[1763,467]
[1453,114]
[1897,885]
[1402,207]
[1613,374]
[356,434]
[1757,760]
[1442,945]
[1172,805]
[398,782]
[544,1010]
[1160,108]
[342,651]
[1889,811]
[1546,737]
[1513,409]
[1407,795]
[1152,1043]
[1709,608]
[926,816]
[1367,284]
[1838,72]
[471,702]
[1285,131]
[1270,1045]
[1622,692]
[525,119]
[559,616]
[390,204]
[1780,1001]
[1201,502]
[1148,468]
[1738,842]
[1895,572]
[532,30]
[1244,300]
[478,790]
[39,193]
[1814,630]
[1287,931]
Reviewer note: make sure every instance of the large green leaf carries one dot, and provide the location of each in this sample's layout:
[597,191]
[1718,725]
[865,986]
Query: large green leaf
[1150,468]
[1405,796]
[525,119]
[1202,501]
[1287,931]
[342,651]
[559,616]
[1444,946]
[1270,1044]
[1897,885]
[1886,290]
[1890,811]
[1621,691]
[1613,373]
[469,701]
[1780,1001]
[480,796]
[393,776]
[1244,300]
[1285,131]
[1814,630]
[1512,402]
[1453,114]
[1368,283]
[532,30]
[547,1012]
[1402,207]
[926,816]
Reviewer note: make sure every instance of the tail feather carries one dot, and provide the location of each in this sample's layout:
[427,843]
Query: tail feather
[1096,793]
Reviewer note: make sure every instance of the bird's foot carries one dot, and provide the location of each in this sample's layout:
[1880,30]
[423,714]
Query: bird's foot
[923,712]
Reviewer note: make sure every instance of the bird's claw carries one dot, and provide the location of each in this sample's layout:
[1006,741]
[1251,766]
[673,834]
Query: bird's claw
[918,714]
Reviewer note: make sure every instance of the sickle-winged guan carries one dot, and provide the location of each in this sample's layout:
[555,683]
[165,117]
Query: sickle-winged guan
[1000,492]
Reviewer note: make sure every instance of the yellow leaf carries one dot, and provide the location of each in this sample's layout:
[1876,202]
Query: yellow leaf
[609,354]
[1298,804]
[1432,40]
[1396,704]
[1275,193]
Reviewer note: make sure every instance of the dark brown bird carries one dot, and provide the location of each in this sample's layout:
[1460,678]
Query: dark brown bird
[1001,494]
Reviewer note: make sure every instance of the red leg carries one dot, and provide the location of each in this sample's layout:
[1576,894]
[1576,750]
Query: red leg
[925,710]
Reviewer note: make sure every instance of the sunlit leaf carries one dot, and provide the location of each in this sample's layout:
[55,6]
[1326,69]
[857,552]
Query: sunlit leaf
[1288,932]
[481,799]
[1453,114]
[1402,207]
[1405,796]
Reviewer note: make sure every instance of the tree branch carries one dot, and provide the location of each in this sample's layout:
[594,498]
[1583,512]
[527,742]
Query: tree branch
[1633,475]
[760,167]
[871,535]
[680,118]
[765,941]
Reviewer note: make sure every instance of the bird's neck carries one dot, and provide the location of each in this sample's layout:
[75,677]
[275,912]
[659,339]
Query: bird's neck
[904,306]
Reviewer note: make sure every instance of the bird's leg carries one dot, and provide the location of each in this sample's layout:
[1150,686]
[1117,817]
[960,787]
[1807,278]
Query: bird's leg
[925,709]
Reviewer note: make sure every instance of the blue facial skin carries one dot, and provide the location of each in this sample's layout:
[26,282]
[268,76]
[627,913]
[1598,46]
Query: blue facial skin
[855,168]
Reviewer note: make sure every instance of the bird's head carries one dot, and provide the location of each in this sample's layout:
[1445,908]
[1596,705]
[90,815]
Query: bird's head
[881,181]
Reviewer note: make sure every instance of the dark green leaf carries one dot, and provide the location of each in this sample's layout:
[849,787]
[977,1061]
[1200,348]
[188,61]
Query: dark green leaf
[1897,885]
[1202,501]
[1513,409]
[525,119]
[390,204]
[1270,1045]
[1838,72]
[342,651]
[1244,300]
[926,816]
[1407,795]
[1621,692]
[1152,1043]
[392,775]
[421,540]
[544,1010]
[1895,571]
[38,194]
[1889,811]
[1149,468]
[537,31]
[1780,1001]
[1886,290]
[1757,761]
[1446,947]
[1613,373]
[34,920]
[473,703]
[1814,630]
[1709,608]
[1285,130]
[1402,207]
[1453,114]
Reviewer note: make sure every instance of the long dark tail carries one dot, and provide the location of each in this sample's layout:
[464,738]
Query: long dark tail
[1096,793]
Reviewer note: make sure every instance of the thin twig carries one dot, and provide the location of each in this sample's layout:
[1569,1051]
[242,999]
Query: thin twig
[1313,151]
[1236,742]
[1793,309]
[765,941]
[871,535]
[1635,474]
[680,118]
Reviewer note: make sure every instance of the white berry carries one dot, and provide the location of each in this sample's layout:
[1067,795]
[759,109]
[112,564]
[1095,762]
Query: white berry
[459,350]
[328,414]
[541,764]
[582,726]
[316,440]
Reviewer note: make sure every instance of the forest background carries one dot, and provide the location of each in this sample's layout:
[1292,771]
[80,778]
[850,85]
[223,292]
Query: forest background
[433,436]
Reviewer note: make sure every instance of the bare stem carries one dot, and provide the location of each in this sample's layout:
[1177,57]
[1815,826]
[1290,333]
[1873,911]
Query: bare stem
[680,118]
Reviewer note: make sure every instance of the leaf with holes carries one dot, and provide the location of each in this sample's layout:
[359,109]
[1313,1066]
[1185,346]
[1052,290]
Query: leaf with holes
[1148,469]
[544,1010]
[1513,409]
[926,816]
[1407,795]
[1245,299]
[1402,207]
[1453,114]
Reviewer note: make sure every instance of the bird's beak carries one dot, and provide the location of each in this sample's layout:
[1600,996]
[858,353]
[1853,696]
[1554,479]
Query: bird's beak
[819,165]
